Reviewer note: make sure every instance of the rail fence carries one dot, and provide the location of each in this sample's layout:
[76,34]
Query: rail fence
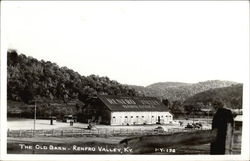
[96,132]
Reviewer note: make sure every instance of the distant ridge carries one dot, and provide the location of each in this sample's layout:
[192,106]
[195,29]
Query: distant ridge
[179,90]
[163,85]
[231,96]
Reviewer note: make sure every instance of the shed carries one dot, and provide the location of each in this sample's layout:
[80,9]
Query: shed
[238,122]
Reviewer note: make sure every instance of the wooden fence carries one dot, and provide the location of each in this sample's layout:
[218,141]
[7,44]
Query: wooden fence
[96,132]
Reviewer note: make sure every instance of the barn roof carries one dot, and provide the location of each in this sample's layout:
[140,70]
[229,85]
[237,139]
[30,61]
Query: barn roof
[125,103]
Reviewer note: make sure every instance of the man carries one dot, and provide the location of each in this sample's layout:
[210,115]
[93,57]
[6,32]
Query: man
[223,124]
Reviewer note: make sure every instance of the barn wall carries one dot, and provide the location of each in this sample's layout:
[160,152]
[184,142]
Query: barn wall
[133,118]
[96,112]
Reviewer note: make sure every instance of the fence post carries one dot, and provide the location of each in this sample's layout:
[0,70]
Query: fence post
[52,132]
[61,132]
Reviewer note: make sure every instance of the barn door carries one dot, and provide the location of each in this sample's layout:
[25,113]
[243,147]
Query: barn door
[99,119]
[114,120]
[159,119]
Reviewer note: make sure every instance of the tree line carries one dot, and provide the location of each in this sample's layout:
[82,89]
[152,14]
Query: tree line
[29,80]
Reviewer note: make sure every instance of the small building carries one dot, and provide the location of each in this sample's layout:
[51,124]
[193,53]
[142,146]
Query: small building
[14,113]
[69,118]
[123,110]
[238,123]
[237,136]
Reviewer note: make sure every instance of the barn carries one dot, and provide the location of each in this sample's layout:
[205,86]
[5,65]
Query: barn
[123,110]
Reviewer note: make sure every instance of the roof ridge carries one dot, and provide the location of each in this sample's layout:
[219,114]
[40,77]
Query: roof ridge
[131,103]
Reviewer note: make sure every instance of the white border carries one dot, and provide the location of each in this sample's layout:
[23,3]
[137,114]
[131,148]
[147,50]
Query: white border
[245,155]
[3,93]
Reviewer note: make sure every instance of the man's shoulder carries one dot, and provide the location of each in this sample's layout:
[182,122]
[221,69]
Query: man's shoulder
[225,113]
[224,109]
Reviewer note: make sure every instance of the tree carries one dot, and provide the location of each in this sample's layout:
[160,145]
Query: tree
[12,57]
[166,102]
[177,107]
[27,94]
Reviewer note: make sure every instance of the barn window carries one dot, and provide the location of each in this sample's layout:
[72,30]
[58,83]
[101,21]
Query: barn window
[166,115]
[126,116]
[137,116]
[152,116]
[161,116]
[131,116]
[113,117]
[142,116]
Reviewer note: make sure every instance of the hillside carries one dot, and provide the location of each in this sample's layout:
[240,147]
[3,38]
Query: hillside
[180,91]
[144,91]
[29,79]
[231,96]
[165,85]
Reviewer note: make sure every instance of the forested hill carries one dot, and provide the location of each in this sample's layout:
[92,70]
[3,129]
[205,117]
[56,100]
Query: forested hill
[175,91]
[30,79]
[231,96]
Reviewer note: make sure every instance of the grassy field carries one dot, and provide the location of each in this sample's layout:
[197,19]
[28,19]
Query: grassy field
[19,124]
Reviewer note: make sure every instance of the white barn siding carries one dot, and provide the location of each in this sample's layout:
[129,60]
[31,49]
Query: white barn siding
[141,117]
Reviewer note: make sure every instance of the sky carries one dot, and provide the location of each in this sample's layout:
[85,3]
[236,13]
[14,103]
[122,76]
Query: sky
[137,43]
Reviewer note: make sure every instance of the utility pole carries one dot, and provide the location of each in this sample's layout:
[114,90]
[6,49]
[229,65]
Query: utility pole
[35,118]
[208,115]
